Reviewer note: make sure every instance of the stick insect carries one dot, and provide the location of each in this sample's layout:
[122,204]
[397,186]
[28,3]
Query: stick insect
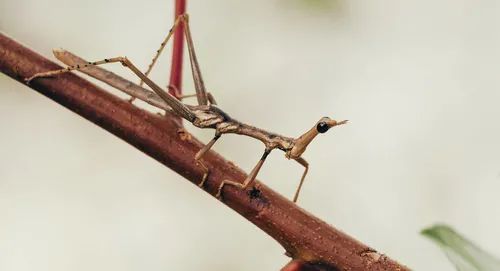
[207,115]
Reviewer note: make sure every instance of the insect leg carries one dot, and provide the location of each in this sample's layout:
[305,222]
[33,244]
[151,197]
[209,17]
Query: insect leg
[250,178]
[303,162]
[200,154]
[178,107]
[112,79]
[201,92]
[210,97]
[162,46]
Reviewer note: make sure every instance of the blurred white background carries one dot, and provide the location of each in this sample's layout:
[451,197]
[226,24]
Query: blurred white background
[418,81]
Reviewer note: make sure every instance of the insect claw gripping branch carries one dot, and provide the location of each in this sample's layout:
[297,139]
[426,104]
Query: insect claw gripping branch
[207,115]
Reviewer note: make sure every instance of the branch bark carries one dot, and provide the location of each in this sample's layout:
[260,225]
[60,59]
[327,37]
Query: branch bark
[305,238]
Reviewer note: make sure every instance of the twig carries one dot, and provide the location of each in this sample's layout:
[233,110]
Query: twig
[177,51]
[304,237]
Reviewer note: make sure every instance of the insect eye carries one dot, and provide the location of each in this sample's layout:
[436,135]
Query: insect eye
[322,127]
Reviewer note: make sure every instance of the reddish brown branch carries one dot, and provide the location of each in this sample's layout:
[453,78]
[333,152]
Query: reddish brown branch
[177,50]
[304,237]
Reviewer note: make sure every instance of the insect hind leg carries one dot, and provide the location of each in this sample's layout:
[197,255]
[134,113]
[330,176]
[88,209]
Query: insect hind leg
[178,107]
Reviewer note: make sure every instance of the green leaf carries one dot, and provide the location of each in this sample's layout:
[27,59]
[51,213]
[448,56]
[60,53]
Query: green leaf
[465,255]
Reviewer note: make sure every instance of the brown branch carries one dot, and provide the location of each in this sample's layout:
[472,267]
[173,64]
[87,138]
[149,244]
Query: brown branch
[304,237]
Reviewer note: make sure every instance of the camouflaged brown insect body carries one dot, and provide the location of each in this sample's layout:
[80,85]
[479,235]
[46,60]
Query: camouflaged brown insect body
[210,116]
[207,115]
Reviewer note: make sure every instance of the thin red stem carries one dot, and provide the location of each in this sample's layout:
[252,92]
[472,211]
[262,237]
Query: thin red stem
[177,50]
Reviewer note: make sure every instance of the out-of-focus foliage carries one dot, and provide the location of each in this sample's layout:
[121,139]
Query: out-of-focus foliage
[465,255]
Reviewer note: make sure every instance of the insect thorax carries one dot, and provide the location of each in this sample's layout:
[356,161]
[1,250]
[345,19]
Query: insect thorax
[209,116]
